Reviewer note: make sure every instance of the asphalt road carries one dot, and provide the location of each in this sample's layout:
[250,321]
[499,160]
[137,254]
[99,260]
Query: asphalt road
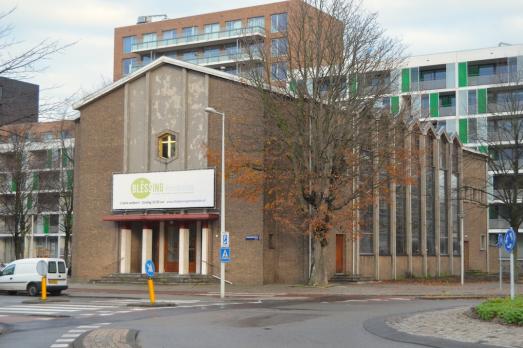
[208,322]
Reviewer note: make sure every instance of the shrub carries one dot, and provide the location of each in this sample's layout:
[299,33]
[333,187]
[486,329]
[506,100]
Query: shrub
[508,311]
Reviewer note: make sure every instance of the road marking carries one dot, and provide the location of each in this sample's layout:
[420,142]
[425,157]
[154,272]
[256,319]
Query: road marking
[71,335]
[89,326]
[65,340]
[59,345]
[77,330]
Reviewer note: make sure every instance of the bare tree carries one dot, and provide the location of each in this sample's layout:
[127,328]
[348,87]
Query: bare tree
[331,138]
[17,199]
[501,136]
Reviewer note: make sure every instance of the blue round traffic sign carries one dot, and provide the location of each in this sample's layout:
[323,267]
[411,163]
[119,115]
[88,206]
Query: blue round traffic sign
[149,268]
[510,240]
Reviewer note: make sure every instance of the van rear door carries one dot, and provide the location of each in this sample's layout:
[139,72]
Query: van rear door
[52,273]
[62,273]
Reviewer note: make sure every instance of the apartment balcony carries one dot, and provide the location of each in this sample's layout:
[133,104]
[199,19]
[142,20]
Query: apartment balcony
[214,61]
[447,111]
[199,40]
[488,79]
[432,84]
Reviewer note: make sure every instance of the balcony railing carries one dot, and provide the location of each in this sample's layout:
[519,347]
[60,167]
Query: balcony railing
[447,111]
[432,84]
[488,79]
[210,61]
[198,38]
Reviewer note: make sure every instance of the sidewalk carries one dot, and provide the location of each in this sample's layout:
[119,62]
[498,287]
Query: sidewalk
[433,289]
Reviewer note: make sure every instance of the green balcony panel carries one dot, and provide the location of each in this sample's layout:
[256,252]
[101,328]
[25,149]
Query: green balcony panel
[69,179]
[46,224]
[405,80]
[463,130]
[13,186]
[434,104]
[483,149]
[462,74]
[395,104]
[65,158]
[36,181]
[482,101]
[30,202]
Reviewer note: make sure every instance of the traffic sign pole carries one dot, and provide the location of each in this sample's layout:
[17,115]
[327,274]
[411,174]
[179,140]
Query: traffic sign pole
[150,283]
[512,288]
[500,271]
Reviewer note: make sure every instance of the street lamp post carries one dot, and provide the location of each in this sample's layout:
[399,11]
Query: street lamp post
[210,110]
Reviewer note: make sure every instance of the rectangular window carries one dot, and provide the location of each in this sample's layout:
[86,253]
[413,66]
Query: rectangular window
[279,23]
[367,235]
[211,28]
[279,47]
[384,226]
[472,103]
[256,22]
[401,239]
[149,37]
[169,34]
[128,42]
[61,267]
[189,31]
[431,193]
[188,56]
[211,52]
[444,231]
[236,24]
[127,65]
[51,267]
[454,192]
[416,198]
[231,49]
[279,71]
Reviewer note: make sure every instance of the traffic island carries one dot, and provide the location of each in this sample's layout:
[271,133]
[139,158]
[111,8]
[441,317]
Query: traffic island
[118,338]
[447,328]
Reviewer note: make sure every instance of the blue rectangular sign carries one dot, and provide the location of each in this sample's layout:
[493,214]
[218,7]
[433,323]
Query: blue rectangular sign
[225,254]
[253,237]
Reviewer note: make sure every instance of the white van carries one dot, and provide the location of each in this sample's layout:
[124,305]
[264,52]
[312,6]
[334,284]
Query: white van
[21,275]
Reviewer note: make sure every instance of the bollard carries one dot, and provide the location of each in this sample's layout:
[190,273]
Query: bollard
[44,288]
[151,290]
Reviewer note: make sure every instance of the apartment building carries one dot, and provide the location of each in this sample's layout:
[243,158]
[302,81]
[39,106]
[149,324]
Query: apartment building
[467,93]
[18,101]
[217,40]
[36,165]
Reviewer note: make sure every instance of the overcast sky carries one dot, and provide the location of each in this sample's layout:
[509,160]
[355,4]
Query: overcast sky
[425,26]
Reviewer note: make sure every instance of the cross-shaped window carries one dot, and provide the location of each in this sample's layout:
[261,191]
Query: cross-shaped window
[167,146]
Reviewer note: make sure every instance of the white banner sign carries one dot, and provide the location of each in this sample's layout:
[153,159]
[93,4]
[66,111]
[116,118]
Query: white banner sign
[164,190]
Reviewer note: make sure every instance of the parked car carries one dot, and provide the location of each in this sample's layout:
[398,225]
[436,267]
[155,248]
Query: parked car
[21,275]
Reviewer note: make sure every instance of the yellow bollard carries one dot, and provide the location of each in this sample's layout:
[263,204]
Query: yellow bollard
[151,290]
[44,288]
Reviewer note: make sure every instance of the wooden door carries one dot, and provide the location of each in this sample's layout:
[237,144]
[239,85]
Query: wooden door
[340,241]
[192,248]
[172,237]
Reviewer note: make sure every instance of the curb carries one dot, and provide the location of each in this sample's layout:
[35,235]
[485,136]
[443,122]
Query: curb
[379,327]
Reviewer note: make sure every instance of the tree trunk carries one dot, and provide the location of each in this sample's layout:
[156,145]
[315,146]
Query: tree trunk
[66,248]
[19,248]
[319,274]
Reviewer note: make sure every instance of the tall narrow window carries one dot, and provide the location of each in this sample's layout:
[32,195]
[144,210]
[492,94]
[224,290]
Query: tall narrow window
[279,22]
[367,236]
[401,239]
[128,42]
[416,197]
[430,173]
[443,210]
[454,186]
[167,146]
[384,225]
